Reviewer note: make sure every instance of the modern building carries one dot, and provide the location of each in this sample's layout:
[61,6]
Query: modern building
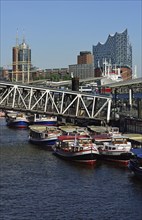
[21,62]
[81,71]
[85,57]
[85,66]
[117,50]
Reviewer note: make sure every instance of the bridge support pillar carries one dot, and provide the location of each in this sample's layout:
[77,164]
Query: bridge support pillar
[139,108]
[108,111]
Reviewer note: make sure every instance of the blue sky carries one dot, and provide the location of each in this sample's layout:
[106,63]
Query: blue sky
[57,31]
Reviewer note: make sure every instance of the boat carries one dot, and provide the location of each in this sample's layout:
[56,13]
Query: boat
[74,130]
[117,150]
[17,120]
[45,120]
[111,74]
[43,135]
[80,149]
[2,114]
[103,134]
[114,131]
[135,165]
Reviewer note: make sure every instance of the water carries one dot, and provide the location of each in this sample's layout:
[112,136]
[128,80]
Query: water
[36,185]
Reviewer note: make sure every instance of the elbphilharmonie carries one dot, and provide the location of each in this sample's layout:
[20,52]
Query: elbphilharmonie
[117,50]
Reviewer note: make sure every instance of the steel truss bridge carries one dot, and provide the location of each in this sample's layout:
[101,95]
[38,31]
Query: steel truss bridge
[48,101]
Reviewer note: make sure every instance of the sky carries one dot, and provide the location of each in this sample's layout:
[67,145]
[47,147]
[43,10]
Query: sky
[57,31]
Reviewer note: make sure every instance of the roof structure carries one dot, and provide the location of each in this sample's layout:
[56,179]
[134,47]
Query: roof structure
[124,83]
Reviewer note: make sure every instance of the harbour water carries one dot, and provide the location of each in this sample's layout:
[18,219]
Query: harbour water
[36,185]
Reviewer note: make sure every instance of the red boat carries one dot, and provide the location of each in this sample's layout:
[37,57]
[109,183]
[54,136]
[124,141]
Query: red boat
[77,149]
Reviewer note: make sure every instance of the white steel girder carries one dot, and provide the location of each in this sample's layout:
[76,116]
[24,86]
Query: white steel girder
[54,101]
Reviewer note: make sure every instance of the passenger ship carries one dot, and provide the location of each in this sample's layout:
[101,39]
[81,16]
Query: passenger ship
[43,135]
[117,150]
[45,120]
[81,150]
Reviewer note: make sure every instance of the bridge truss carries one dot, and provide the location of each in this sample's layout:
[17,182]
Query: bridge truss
[43,100]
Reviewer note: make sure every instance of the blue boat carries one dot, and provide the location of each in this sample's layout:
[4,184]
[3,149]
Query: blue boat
[43,136]
[17,120]
[135,165]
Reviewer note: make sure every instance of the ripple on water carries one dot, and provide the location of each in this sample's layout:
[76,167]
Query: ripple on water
[36,185]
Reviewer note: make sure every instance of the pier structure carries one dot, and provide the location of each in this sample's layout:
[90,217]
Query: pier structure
[127,103]
[49,101]
[128,95]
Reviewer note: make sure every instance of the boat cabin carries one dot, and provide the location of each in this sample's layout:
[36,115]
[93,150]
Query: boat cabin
[119,140]
[114,130]
[41,132]
[74,144]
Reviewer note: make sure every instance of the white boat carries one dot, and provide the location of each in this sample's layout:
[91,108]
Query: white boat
[45,120]
[110,74]
[73,130]
[17,120]
[114,131]
[81,150]
[117,150]
[43,135]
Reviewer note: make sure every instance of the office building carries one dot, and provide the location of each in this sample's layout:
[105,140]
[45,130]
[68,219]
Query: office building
[81,71]
[85,66]
[85,57]
[21,62]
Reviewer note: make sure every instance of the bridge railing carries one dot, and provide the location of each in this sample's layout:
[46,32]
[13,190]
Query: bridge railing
[46,100]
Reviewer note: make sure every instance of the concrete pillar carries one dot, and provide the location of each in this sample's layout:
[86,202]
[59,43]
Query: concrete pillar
[139,108]
[130,96]
[75,84]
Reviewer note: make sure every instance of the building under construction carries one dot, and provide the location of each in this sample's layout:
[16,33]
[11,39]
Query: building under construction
[21,64]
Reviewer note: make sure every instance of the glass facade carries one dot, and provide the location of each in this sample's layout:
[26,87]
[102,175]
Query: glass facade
[21,62]
[24,58]
[116,50]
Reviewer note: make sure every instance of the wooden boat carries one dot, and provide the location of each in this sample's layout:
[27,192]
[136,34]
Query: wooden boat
[45,120]
[117,150]
[135,165]
[80,149]
[17,120]
[43,135]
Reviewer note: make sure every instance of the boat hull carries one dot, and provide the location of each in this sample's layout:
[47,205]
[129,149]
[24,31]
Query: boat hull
[44,142]
[46,123]
[135,168]
[80,157]
[122,158]
[17,124]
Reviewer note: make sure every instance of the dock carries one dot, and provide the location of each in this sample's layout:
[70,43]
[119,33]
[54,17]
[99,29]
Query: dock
[136,139]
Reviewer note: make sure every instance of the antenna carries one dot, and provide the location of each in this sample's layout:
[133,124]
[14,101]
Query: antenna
[23,36]
[17,39]
[135,73]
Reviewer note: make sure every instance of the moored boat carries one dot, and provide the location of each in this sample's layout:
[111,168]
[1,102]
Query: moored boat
[45,120]
[2,114]
[43,135]
[74,131]
[17,120]
[135,165]
[117,150]
[80,149]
